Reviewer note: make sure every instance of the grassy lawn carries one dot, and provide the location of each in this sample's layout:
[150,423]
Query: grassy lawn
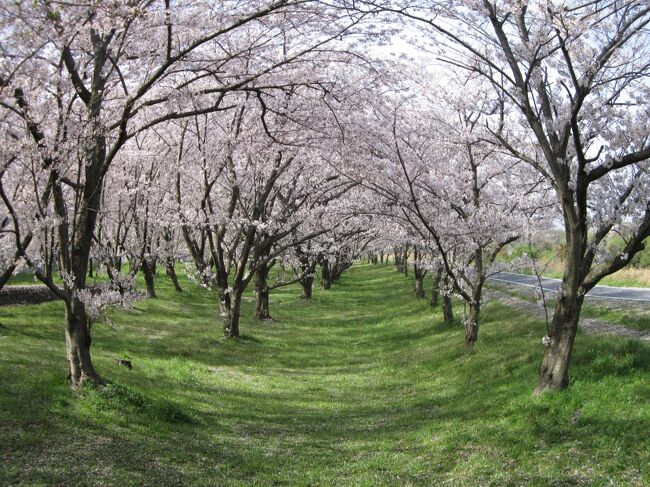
[361,386]
[23,279]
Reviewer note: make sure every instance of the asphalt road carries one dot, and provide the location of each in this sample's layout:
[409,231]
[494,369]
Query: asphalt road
[598,292]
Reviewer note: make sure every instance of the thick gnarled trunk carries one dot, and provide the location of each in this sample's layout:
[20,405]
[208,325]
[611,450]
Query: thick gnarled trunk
[230,306]
[307,284]
[471,323]
[149,272]
[77,340]
[554,372]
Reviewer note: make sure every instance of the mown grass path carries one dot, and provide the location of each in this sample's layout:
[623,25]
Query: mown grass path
[363,385]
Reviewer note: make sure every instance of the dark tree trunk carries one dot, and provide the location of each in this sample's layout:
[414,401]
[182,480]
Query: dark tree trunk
[435,288]
[262,294]
[90,268]
[381,257]
[554,372]
[405,261]
[326,274]
[418,273]
[149,271]
[230,307]
[307,286]
[262,311]
[6,275]
[447,311]
[171,273]
[337,270]
[419,286]
[77,341]
[471,323]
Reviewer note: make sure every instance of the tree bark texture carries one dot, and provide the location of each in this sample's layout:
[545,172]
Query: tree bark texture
[326,274]
[447,311]
[554,372]
[307,286]
[171,273]
[77,340]
[149,272]
[435,288]
[230,306]
[262,294]
[471,323]
[419,286]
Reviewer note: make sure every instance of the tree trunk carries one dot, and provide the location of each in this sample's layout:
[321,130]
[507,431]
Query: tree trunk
[405,262]
[6,275]
[554,372]
[435,288]
[381,257]
[262,294]
[397,260]
[171,273]
[447,312]
[149,271]
[307,286]
[471,323]
[90,268]
[419,286]
[327,277]
[77,340]
[230,304]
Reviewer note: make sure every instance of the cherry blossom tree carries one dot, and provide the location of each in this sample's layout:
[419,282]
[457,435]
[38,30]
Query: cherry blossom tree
[81,80]
[574,79]
[446,185]
[259,189]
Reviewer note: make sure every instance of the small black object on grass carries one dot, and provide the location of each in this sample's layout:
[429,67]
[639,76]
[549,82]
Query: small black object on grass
[126,363]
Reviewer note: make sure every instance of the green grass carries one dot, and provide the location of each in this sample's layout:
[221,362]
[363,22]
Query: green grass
[628,315]
[627,277]
[23,279]
[361,386]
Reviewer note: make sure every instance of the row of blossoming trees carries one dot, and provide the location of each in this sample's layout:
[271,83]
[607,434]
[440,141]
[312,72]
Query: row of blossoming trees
[244,135]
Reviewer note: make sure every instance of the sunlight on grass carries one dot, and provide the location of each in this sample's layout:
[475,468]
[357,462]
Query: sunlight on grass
[363,385]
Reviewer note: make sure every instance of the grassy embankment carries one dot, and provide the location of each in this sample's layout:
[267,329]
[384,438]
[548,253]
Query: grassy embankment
[361,386]
[549,256]
[626,277]
[622,313]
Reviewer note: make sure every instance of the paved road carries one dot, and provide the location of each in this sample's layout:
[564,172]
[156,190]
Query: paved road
[598,292]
